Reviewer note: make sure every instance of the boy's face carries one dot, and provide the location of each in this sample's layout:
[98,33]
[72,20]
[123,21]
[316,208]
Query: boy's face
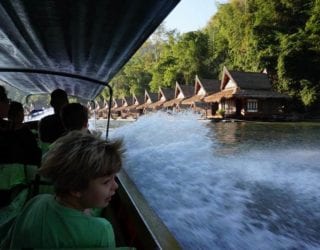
[99,192]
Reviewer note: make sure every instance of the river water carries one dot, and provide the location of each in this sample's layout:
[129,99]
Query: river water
[244,185]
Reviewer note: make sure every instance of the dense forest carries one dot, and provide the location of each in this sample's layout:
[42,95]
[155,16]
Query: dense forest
[282,36]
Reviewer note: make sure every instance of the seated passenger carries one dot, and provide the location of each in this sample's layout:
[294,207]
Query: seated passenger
[19,144]
[50,127]
[74,116]
[16,115]
[4,106]
[82,168]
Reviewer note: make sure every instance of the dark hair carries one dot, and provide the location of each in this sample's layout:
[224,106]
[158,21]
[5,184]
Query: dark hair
[14,109]
[58,98]
[74,116]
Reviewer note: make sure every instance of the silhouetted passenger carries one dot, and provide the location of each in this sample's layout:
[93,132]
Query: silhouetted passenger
[4,106]
[19,144]
[74,116]
[82,168]
[16,115]
[50,127]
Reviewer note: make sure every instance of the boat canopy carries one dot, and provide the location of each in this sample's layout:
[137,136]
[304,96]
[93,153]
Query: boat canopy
[91,39]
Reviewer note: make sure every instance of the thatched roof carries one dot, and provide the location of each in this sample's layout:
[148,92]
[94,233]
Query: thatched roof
[191,100]
[218,96]
[259,94]
[187,90]
[149,98]
[246,80]
[142,106]
[125,103]
[153,97]
[156,104]
[121,108]
[127,100]
[172,102]
[138,99]
[244,93]
[116,104]
[251,80]
[164,94]
[168,93]
[209,85]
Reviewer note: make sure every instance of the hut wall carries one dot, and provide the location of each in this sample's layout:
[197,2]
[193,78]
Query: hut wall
[266,108]
[229,105]
[272,106]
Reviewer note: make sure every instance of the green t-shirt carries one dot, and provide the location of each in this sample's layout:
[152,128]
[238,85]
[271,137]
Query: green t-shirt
[44,223]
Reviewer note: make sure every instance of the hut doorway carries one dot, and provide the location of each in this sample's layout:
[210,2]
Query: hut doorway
[214,108]
[238,107]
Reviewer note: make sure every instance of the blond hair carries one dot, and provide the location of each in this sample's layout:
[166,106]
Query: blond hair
[75,159]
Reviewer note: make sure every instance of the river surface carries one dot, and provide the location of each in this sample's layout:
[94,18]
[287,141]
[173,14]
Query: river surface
[244,185]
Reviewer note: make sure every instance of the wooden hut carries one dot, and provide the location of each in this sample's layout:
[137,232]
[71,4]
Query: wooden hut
[135,109]
[116,104]
[103,109]
[124,110]
[181,92]
[149,98]
[247,95]
[202,88]
[94,108]
[164,94]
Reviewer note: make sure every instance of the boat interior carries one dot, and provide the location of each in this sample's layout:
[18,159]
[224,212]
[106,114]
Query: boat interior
[79,46]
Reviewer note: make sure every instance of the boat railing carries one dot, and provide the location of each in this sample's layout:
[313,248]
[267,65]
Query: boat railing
[144,228]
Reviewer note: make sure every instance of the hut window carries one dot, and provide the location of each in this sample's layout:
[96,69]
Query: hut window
[252,105]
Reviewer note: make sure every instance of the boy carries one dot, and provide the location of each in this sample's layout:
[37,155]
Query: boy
[82,169]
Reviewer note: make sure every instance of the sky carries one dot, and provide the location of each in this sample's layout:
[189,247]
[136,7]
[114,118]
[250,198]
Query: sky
[190,15]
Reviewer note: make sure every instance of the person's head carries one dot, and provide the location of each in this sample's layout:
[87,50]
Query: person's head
[16,113]
[59,98]
[82,167]
[4,102]
[74,116]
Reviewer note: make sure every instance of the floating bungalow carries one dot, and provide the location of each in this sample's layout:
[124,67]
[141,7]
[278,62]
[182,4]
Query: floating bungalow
[202,88]
[124,109]
[94,108]
[149,98]
[103,109]
[181,92]
[116,104]
[164,95]
[247,95]
[134,109]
